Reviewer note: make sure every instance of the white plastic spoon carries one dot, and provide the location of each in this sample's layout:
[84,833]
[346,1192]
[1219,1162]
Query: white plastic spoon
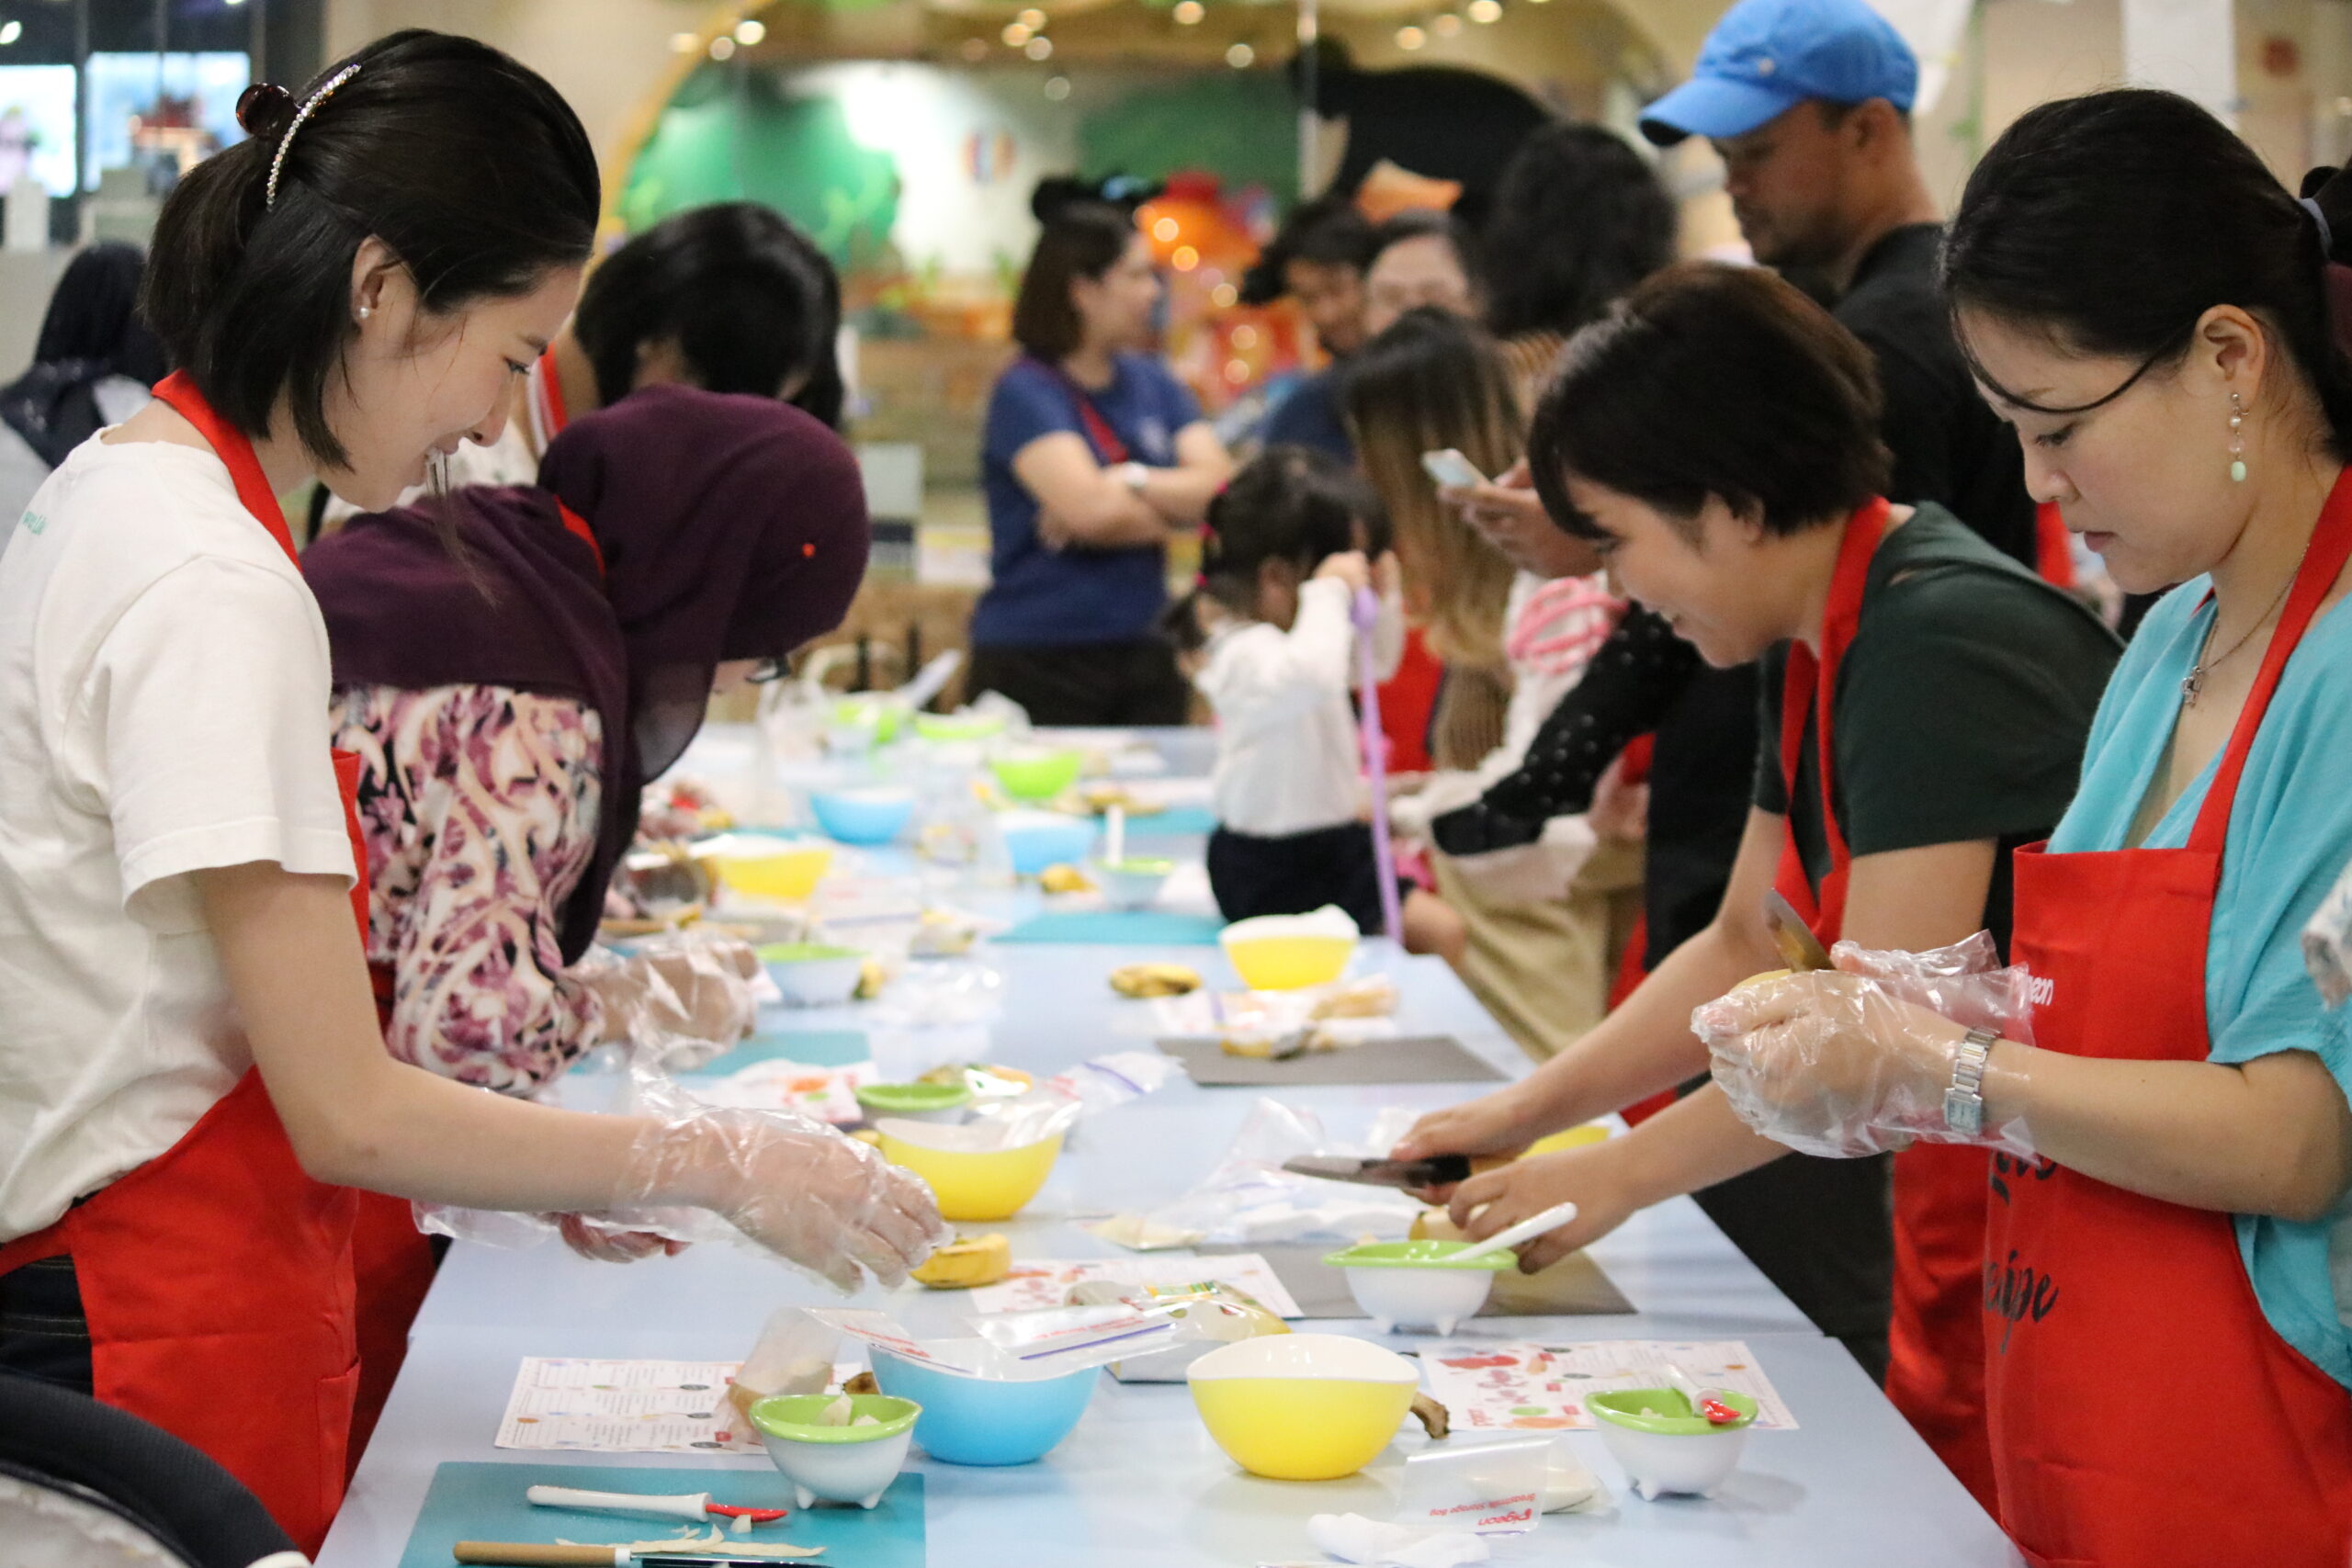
[1552,1218]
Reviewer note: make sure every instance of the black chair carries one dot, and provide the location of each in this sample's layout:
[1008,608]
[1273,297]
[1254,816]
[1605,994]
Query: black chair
[84,1485]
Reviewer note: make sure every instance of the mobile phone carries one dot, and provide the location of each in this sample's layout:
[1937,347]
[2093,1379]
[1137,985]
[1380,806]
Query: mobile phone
[1451,470]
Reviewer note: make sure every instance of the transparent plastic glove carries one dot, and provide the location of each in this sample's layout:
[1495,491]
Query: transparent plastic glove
[792,1186]
[686,995]
[600,1242]
[1846,1064]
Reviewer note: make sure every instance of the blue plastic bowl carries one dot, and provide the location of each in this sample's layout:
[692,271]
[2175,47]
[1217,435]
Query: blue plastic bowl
[974,1421]
[1037,839]
[863,815]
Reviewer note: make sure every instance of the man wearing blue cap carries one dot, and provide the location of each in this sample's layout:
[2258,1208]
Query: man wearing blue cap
[1808,102]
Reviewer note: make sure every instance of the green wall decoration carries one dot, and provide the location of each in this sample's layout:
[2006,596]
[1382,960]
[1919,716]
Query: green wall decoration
[737,136]
[1242,126]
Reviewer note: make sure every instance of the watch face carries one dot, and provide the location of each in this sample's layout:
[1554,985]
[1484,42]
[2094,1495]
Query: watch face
[1963,1113]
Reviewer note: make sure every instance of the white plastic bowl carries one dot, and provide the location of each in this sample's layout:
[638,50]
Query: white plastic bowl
[837,1464]
[1410,1284]
[1691,1462]
[814,976]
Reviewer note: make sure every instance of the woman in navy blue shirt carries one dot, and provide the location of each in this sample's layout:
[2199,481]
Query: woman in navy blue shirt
[1095,453]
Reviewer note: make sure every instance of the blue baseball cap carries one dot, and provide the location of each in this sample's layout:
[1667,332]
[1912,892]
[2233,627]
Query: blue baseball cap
[1767,56]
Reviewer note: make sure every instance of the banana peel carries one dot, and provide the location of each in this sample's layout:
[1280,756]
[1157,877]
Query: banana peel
[967,1262]
[1155,979]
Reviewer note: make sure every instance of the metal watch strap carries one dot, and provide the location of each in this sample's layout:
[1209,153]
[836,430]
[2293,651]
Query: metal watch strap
[1964,1099]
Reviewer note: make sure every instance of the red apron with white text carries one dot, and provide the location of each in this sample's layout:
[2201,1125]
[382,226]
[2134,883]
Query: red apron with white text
[1935,1365]
[2144,1413]
[217,1277]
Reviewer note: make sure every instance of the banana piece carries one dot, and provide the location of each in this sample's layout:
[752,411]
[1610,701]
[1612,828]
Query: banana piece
[1766,978]
[967,1262]
[1155,979]
[1064,879]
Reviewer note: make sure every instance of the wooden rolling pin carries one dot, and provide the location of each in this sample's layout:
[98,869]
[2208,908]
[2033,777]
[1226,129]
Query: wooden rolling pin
[532,1554]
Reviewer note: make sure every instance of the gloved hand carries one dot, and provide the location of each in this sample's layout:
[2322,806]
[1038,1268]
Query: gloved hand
[600,1242]
[688,992]
[1846,1064]
[795,1187]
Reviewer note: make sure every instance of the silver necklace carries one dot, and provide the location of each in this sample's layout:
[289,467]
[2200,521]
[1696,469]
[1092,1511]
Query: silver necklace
[2192,685]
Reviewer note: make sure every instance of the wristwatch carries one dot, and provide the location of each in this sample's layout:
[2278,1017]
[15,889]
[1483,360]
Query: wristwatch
[1132,475]
[1964,1099]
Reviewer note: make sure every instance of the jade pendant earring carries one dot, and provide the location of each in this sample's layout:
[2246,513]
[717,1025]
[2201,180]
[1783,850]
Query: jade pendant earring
[2237,439]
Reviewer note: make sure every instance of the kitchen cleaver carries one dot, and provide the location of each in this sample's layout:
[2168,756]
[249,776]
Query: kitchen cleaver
[1438,1170]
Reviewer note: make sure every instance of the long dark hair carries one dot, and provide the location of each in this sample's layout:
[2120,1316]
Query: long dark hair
[1081,239]
[2118,219]
[1713,380]
[1583,218]
[94,315]
[470,167]
[1287,503]
[749,301]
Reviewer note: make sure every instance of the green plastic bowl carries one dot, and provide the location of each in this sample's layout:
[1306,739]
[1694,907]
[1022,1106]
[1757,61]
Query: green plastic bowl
[804,952]
[793,1417]
[1666,1411]
[1427,1254]
[958,727]
[914,1099]
[884,714]
[1037,775]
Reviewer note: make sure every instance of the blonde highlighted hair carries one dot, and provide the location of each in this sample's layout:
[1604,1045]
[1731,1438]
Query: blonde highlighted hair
[1430,381]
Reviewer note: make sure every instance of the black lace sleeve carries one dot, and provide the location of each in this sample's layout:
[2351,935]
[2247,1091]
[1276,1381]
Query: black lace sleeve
[1635,677]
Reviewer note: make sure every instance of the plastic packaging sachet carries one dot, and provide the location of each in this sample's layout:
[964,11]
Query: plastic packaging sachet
[1026,1346]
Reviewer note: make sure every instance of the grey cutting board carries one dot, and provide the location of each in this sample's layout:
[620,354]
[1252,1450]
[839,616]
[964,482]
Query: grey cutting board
[1574,1287]
[1417,1058]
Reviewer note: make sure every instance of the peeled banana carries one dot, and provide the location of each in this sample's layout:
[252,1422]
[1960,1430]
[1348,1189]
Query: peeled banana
[967,1262]
[1064,879]
[1155,979]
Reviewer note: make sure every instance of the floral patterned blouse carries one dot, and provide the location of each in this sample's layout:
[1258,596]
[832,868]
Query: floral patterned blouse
[480,806]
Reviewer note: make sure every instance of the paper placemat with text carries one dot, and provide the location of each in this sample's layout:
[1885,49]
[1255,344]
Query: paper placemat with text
[1523,1386]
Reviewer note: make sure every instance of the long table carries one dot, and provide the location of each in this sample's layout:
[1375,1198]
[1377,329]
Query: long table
[1139,1482]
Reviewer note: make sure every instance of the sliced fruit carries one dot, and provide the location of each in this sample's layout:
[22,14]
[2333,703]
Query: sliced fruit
[967,1262]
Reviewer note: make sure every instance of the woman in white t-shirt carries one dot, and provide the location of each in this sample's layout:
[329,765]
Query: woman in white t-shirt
[190,1072]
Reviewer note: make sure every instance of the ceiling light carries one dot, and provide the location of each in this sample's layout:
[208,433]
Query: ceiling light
[750,31]
[1485,12]
[1188,13]
[1239,56]
[722,48]
[1445,24]
[1409,37]
[1039,48]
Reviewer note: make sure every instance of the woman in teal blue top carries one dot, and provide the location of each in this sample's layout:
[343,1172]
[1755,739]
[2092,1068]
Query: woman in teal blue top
[2168,1356]
[1094,455]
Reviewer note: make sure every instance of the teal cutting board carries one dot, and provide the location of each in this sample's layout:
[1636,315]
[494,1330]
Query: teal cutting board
[485,1502]
[1118,928]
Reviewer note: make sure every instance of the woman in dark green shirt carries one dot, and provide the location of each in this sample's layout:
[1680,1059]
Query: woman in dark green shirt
[1716,439]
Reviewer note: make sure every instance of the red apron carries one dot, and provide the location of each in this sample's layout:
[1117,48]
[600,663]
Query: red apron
[2144,1413]
[1935,1367]
[217,1277]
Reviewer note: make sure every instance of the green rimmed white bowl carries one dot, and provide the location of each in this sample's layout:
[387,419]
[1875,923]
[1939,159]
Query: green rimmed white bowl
[1417,1283]
[836,1464]
[1663,1445]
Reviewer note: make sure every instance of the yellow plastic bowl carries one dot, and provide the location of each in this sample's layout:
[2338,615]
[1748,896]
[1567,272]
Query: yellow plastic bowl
[1290,962]
[1302,1406]
[977,1186]
[789,875]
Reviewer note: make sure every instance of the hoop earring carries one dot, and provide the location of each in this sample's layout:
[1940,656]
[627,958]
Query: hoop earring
[2237,439]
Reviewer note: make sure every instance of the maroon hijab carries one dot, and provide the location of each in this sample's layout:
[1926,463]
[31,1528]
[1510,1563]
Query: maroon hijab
[729,526]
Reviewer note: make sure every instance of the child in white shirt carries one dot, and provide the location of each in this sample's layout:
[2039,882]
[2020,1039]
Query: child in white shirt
[1270,640]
